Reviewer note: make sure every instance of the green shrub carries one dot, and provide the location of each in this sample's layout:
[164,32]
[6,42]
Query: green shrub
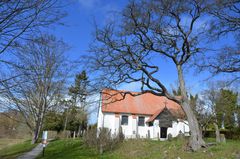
[229,134]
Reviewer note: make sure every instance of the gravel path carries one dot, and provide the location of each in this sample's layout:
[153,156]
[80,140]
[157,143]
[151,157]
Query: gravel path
[32,154]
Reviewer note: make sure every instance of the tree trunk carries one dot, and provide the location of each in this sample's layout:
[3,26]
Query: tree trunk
[217,132]
[74,134]
[79,131]
[65,124]
[36,132]
[196,141]
[37,128]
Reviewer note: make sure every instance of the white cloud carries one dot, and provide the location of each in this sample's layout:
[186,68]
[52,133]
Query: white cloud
[99,8]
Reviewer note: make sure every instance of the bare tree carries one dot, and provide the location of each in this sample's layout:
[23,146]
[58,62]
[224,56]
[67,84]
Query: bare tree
[19,18]
[150,30]
[225,21]
[41,83]
[226,17]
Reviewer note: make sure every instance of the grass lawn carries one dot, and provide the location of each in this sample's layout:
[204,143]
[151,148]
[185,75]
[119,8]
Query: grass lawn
[74,149]
[68,149]
[15,149]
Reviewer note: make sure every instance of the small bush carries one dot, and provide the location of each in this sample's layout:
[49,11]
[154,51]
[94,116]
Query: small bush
[90,137]
[102,140]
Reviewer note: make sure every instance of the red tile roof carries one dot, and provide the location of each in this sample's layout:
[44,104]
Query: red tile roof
[144,104]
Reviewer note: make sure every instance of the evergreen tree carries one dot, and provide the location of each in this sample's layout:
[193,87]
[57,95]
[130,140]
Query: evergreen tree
[78,114]
[53,121]
[226,108]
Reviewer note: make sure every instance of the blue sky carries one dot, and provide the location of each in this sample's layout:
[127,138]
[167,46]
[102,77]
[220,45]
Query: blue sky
[78,28]
[78,34]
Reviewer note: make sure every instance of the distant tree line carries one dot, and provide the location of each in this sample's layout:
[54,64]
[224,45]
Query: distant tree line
[216,109]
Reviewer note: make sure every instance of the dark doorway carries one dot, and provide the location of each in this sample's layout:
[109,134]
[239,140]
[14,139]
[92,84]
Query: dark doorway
[163,132]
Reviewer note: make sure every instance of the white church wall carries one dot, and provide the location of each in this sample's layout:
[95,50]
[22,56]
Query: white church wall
[156,129]
[100,120]
[113,122]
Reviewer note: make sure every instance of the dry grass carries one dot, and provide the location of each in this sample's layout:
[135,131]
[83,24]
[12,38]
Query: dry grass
[5,142]
[16,148]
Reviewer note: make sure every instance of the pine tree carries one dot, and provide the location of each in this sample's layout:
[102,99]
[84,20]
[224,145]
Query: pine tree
[78,93]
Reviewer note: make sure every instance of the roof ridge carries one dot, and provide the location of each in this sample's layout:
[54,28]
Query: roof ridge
[119,90]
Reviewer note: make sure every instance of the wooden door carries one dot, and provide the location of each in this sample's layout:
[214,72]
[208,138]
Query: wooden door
[163,131]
